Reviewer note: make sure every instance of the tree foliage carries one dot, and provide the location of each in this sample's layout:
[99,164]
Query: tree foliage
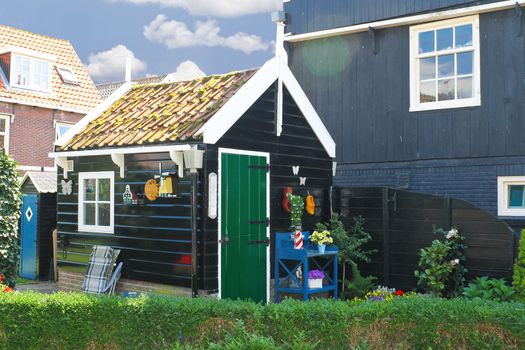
[519,269]
[10,201]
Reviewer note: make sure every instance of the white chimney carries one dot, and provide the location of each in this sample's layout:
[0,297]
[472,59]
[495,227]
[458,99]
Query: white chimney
[128,69]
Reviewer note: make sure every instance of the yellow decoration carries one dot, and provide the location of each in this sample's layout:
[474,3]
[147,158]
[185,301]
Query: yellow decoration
[151,190]
[167,186]
[310,205]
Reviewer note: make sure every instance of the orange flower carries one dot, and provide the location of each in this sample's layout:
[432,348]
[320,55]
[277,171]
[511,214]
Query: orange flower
[7,290]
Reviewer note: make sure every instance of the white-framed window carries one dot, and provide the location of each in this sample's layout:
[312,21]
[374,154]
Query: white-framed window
[5,122]
[61,128]
[96,202]
[30,73]
[511,196]
[67,76]
[445,64]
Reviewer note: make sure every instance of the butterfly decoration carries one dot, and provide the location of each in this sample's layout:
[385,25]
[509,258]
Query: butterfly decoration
[67,187]
[302,181]
[295,170]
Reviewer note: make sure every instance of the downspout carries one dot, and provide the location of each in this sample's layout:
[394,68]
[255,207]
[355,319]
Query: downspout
[194,213]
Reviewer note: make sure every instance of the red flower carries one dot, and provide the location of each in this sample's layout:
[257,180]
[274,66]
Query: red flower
[1,278]
[399,293]
[7,290]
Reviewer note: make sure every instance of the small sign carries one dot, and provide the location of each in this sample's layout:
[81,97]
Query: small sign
[212,196]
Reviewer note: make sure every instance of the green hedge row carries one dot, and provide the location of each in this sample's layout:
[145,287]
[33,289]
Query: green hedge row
[78,321]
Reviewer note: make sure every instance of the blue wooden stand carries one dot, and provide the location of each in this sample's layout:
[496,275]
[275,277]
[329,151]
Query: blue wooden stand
[310,259]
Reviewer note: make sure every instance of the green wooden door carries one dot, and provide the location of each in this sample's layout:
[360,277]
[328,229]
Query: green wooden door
[243,227]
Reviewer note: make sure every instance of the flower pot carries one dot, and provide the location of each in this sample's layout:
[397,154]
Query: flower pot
[321,248]
[315,283]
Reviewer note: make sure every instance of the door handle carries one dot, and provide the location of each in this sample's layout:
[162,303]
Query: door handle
[225,241]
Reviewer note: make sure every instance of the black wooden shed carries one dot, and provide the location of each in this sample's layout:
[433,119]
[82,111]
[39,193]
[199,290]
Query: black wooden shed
[138,183]
[37,221]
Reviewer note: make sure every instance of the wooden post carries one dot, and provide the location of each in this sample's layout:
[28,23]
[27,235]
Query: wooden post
[55,267]
[386,238]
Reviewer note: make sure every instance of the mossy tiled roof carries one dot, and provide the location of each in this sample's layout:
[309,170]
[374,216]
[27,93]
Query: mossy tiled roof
[160,113]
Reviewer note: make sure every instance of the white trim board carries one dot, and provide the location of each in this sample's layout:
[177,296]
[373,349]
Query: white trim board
[234,109]
[219,213]
[407,20]
[124,150]
[503,195]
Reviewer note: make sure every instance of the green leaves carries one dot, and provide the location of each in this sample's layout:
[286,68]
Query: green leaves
[10,201]
[297,210]
[483,288]
[518,280]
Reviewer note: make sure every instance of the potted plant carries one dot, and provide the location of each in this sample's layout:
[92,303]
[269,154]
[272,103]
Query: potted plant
[315,279]
[321,238]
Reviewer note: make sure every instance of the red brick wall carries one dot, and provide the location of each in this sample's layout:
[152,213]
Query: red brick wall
[32,133]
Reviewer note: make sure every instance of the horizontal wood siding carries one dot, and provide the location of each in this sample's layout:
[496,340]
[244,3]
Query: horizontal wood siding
[408,228]
[304,16]
[364,98]
[297,146]
[155,239]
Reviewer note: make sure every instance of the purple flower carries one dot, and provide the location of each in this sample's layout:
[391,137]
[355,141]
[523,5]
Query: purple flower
[316,275]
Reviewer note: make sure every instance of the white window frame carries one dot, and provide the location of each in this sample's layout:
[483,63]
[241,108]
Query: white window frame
[95,228]
[59,124]
[415,104]
[31,86]
[63,71]
[503,195]
[6,133]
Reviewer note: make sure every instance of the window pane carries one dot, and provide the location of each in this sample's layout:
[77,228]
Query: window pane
[446,90]
[89,214]
[62,129]
[89,189]
[104,190]
[446,66]
[465,88]
[516,196]
[427,69]
[103,215]
[427,92]
[2,125]
[464,36]
[445,39]
[465,63]
[426,42]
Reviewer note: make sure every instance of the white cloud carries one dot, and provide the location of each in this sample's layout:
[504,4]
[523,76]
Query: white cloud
[176,34]
[217,8]
[111,64]
[187,70]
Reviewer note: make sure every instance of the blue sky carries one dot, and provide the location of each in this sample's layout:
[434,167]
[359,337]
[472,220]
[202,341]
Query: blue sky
[210,36]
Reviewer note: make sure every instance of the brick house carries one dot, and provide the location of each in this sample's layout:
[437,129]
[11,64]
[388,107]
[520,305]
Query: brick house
[44,89]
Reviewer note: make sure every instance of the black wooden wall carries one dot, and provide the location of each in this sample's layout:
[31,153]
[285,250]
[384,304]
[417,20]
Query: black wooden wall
[155,239]
[305,16]
[401,224]
[297,146]
[364,98]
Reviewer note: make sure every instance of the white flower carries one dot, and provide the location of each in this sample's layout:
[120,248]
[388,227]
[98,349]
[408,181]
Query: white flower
[455,262]
[452,233]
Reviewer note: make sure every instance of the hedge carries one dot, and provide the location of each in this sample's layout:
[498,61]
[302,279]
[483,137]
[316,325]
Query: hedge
[78,321]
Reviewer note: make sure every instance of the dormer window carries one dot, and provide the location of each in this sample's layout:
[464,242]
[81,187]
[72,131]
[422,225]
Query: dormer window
[30,73]
[67,76]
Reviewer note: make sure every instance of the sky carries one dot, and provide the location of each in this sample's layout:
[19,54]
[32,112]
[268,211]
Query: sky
[185,37]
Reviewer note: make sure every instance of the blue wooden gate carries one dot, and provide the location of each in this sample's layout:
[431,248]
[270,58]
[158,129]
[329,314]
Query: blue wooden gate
[28,239]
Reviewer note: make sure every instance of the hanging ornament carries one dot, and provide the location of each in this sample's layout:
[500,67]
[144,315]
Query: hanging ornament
[67,187]
[166,186]
[151,190]
[287,205]
[295,170]
[302,181]
[127,196]
[310,204]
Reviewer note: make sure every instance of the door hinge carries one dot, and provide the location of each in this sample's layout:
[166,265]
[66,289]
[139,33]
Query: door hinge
[260,222]
[262,241]
[260,167]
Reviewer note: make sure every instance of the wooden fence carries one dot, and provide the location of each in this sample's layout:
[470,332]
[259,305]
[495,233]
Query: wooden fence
[401,223]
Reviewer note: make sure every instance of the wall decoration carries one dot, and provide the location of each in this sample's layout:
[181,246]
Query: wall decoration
[151,190]
[295,170]
[212,196]
[310,204]
[302,181]
[67,187]
[166,187]
[127,196]
[287,205]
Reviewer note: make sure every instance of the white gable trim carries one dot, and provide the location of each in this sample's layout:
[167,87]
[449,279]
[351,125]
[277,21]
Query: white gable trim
[95,113]
[235,108]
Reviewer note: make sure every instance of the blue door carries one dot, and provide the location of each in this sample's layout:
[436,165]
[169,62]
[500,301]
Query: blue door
[28,228]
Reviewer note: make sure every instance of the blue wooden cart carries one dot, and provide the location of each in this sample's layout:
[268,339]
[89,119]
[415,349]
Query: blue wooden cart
[292,267]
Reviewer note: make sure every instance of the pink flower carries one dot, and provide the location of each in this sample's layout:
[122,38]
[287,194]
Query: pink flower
[452,233]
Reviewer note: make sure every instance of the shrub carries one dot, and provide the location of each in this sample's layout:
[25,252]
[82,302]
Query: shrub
[441,270]
[79,321]
[518,281]
[489,289]
[359,285]
[10,200]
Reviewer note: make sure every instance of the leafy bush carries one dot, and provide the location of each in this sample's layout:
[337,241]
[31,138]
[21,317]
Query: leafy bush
[10,200]
[79,321]
[441,265]
[518,281]
[489,289]
[359,285]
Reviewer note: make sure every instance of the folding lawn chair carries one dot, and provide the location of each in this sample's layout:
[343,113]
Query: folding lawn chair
[99,278]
